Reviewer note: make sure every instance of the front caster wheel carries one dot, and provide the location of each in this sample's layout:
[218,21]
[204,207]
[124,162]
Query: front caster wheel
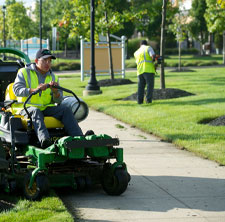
[115,183]
[38,189]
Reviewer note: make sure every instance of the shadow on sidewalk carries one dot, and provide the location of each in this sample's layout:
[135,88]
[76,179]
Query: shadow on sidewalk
[153,193]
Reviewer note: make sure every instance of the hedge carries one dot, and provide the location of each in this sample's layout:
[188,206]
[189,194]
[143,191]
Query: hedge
[65,66]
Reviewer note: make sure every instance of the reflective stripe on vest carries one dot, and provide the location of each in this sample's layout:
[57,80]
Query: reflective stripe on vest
[144,61]
[29,79]
[42,99]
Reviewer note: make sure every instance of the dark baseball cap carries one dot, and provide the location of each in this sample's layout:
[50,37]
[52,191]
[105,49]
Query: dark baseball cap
[44,53]
[144,42]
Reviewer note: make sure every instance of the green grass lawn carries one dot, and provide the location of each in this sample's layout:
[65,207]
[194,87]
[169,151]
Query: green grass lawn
[176,120]
[49,209]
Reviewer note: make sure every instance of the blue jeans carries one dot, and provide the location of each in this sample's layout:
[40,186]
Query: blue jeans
[143,79]
[60,112]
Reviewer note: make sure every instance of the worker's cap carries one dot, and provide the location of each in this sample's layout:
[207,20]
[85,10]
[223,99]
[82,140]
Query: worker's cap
[144,42]
[44,53]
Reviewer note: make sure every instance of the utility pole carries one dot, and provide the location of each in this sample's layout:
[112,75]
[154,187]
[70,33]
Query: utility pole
[40,25]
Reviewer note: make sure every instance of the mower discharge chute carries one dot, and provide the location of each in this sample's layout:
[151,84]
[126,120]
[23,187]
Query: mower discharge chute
[76,162]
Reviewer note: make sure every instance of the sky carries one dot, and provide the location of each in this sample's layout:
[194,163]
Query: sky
[27,3]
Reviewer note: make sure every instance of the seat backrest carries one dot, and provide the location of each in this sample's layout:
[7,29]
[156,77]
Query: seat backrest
[8,72]
[50,121]
[9,94]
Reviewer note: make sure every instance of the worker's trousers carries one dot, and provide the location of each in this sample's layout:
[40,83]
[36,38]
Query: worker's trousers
[143,79]
[60,112]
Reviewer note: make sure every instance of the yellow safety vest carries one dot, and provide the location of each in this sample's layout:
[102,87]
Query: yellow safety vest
[144,61]
[40,100]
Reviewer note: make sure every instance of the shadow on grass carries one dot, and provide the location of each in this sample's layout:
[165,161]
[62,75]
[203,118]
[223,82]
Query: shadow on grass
[190,137]
[174,102]
[8,201]
[193,102]
[215,81]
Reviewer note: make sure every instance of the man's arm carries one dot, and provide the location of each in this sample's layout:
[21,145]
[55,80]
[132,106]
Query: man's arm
[57,94]
[20,89]
[151,52]
[19,86]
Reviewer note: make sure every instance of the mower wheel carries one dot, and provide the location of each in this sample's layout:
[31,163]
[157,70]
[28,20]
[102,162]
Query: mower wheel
[39,187]
[81,183]
[128,177]
[115,183]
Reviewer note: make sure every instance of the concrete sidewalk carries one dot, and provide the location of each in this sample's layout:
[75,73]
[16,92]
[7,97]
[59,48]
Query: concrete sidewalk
[167,184]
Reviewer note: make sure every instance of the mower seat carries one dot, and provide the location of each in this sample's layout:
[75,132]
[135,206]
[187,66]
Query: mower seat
[11,102]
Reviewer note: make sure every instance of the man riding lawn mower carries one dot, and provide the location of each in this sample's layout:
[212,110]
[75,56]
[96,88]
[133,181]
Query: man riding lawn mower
[68,158]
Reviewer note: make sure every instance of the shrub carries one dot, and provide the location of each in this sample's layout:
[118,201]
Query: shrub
[131,65]
[174,51]
[65,66]
[207,63]
[74,66]
[134,44]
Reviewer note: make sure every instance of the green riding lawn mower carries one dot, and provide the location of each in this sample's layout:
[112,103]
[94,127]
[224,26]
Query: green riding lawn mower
[77,162]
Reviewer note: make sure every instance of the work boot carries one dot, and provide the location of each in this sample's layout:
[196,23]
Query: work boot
[89,132]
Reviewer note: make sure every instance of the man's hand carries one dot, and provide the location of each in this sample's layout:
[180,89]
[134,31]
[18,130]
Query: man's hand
[54,90]
[42,87]
[52,83]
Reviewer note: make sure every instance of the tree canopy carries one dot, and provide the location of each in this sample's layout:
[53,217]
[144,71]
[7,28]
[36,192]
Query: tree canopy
[19,25]
[215,16]
[149,16]
[197,26]
[52,10]
[79,16]
[72,18]
[221,3]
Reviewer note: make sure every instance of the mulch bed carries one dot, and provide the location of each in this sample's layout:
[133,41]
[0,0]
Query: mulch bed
[159,94]
[168,93]
[220,121]
[114,82]
[182,70]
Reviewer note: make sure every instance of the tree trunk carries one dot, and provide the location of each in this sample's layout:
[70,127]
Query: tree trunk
[224,47]
[211,42]
[109,50]
[65,52]
[201,43]
[162,45]
[179,64]
[110,57]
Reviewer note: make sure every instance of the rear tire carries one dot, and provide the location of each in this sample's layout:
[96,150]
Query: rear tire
[128,177]
[115,183]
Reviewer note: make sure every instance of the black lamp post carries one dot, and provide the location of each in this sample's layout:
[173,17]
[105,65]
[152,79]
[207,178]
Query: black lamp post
[93,84]
[40,25]
[4,39]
